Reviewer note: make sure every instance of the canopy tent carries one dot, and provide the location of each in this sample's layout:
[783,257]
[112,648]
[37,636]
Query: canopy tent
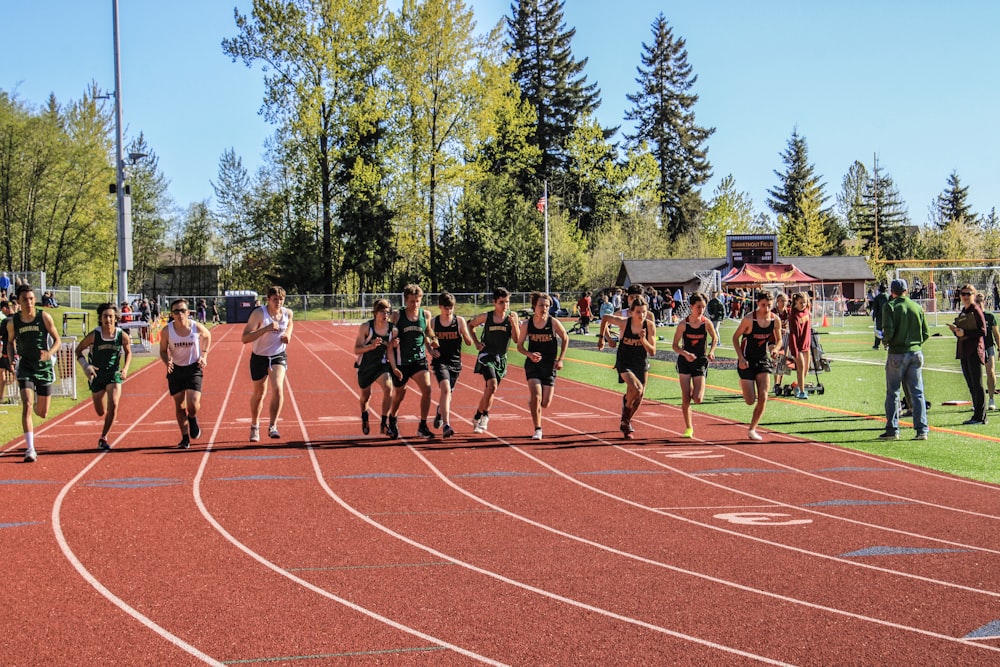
[754,274]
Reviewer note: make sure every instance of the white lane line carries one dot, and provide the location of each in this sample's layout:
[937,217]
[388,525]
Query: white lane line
[499,577]
[282,571]
[93,581]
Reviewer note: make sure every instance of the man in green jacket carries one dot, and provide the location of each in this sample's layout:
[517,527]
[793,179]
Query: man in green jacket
[904,331]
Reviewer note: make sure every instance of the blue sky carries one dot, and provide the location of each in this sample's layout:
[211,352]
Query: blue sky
[914,82]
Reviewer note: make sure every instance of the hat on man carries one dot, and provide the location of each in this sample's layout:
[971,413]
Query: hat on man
[898,286]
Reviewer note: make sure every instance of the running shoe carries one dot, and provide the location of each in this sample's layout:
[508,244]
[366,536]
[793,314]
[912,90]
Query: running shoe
[802,394]
[255,434]
[185,443]
[364,423]
[920,436]
[194,428]
[993,405]
[30,455]
[888,435]
[272,432]
[437,419]
[481,425]
[624,426]
[103,445]
[477,424]
[754,435]
[423,431]
[973,422]
[391,429]
[689,433]
[447,431]
[537,435]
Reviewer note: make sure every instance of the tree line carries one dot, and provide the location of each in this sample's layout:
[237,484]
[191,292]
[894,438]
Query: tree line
[410,147]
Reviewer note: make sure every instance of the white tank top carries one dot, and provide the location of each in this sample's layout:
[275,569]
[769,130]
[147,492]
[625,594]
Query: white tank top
[184,350]
[270,343]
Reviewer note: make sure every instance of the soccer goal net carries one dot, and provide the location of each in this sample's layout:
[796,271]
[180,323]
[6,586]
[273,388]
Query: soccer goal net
[937,288]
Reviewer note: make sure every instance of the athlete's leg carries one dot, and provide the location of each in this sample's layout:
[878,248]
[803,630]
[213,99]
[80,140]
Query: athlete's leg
[444,400]
[749,388]
[113,393]
[535,401]
[685,380]
[277,372]
[762,381]
[257,400]
[98,398]
[423,380]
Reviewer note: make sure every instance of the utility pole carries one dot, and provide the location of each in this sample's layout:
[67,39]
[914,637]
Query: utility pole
[124,204]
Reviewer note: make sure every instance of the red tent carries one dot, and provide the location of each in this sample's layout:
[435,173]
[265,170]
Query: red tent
[752,274]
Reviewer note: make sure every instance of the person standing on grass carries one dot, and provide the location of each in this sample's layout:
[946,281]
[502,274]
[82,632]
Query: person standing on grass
[269,329]
[583,310]
[970,330]
[414,340]
[184,347]
[373,343]
[781,307]
[754,341]
[878,307]
[905,331]
[799,340]
[716,312]
[690,343]
[638,341]
[451,331]
[992,336]
[500,326]
[106,366]
[544,356]
[32,339]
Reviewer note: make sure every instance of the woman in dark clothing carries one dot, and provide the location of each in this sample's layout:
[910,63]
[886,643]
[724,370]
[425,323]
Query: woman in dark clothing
[970,329]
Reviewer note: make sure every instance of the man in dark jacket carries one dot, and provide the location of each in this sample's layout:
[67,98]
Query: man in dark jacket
[877,305]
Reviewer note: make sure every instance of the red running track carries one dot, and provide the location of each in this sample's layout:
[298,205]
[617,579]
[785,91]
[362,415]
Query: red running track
[329,547]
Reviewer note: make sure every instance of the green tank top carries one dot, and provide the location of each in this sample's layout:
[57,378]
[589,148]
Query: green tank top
[31,338]
[410,334]
[105,354]
[496,337]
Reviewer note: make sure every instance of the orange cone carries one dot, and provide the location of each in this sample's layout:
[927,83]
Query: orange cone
[825,322]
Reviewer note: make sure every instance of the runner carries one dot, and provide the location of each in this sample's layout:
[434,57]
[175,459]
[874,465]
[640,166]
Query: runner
[690,340]
[106,366]
[373,342]
[450,331]
[184,347]
[33,340]
[414,339]
[638,341]
[500,326]
[269,328]
[544,356]
[753,341]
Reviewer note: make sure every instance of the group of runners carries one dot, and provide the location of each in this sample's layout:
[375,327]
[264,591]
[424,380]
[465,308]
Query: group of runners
[396,348]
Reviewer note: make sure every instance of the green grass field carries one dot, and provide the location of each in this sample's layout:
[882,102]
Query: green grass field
[849,413]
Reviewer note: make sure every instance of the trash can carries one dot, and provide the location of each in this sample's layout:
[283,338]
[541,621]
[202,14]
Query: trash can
[239,305]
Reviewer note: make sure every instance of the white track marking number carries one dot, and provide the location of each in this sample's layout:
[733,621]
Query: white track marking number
[761,519]
[693,454]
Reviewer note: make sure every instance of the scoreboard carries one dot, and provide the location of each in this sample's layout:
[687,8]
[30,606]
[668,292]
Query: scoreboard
[751,249]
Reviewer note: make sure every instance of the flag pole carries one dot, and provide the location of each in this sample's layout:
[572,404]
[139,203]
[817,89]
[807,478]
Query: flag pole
[545,198]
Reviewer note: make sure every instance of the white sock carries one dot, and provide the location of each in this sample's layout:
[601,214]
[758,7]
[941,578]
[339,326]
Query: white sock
[29,439]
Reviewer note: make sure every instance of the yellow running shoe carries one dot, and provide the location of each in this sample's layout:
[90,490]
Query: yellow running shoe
[689,433]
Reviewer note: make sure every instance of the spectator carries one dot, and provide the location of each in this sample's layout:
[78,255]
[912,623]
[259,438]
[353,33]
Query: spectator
[992,336]
[555,306]
[716,313]
[878,305]
[905,333]
[583,310]
[4,285]
[970,330]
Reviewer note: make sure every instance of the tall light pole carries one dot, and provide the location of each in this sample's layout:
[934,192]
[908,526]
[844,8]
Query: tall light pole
[124,204]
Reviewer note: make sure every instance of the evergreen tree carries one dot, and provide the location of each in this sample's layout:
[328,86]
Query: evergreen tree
[800,196]
[552,81]
[729,212]
[152,212]
[664,114]
[883,218]
[951,205]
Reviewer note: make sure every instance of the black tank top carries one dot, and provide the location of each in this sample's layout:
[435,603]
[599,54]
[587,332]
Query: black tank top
[543,340]
[695,338]
[449,342]
[755,343]
[631,353]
